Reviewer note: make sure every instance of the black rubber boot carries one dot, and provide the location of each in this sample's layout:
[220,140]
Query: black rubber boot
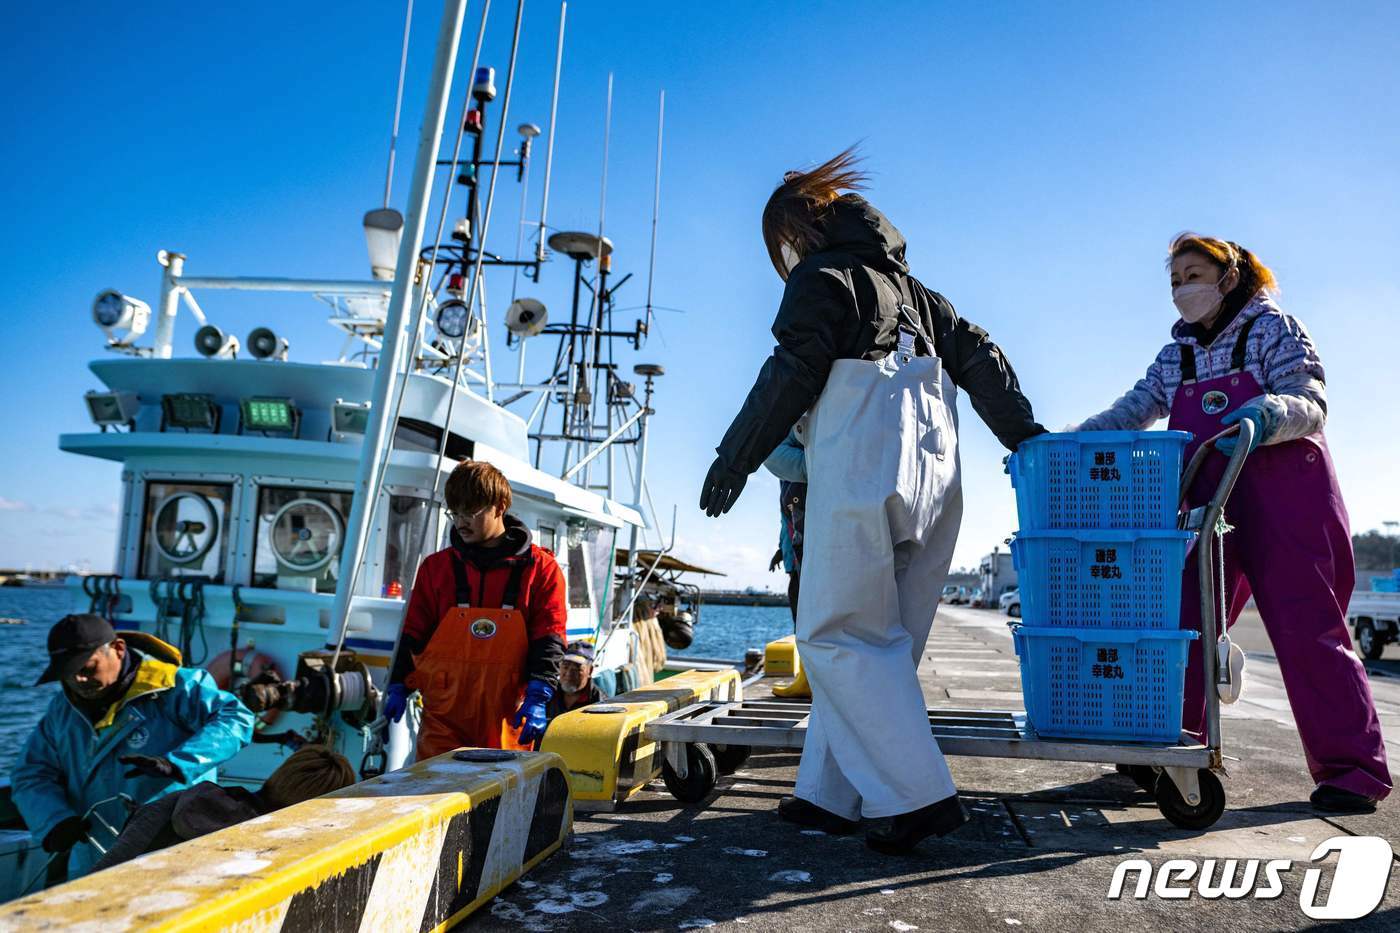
[1335,800]
[902,833]
[805,813]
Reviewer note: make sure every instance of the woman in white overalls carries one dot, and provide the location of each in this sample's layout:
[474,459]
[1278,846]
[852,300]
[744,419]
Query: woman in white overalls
[875,357]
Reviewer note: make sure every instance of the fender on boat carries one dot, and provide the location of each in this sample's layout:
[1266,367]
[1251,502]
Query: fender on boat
[412,850]
[605,747]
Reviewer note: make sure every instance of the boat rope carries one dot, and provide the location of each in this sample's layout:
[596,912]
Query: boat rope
[398,104]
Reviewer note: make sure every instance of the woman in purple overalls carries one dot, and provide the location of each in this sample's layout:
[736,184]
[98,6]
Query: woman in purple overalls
[1235,356]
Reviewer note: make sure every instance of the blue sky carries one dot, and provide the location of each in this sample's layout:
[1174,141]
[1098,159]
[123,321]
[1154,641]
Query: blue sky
[1037,157]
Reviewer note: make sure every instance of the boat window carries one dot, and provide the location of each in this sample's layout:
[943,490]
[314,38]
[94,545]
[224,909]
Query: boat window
[600,564]
[577,570]
[544,536]
[185,530]
[402,535]
[412,434]
[300,532]
[590,568]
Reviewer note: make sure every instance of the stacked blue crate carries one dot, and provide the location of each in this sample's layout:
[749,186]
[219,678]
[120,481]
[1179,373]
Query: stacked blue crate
[1099,562]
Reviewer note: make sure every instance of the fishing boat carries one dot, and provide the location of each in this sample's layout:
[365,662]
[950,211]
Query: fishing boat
[274,509]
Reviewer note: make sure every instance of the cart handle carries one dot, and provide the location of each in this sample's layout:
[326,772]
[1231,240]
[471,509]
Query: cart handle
[1198,459]
[1211,624]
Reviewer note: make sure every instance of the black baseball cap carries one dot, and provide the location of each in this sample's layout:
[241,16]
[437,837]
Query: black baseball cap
[580,652]
[71,640]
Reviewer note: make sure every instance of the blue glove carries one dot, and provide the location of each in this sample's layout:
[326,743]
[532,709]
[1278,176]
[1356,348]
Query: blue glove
[530,718]
[395,702]
[1263,414]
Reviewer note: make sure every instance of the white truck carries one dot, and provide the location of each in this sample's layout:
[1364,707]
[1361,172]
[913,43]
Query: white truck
[1375,621]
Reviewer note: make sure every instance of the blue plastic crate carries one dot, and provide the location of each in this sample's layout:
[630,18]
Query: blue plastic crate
[1103,683]
[1098,479]
[1101,578]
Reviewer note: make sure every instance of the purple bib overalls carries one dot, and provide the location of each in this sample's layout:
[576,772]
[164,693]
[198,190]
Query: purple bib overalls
[1291,548]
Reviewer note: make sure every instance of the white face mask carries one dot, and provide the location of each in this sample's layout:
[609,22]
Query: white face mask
[790,259]
[1198,301]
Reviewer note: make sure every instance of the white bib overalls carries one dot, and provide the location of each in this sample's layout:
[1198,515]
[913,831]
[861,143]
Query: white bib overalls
[884,503]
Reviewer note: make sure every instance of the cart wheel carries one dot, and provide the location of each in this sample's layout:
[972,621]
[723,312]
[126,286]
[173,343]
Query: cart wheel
[730,758]
[1144,776]
[700,778]
[1371,645]
[1204,814]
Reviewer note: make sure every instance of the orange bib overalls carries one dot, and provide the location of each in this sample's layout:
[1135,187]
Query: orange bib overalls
[472,672]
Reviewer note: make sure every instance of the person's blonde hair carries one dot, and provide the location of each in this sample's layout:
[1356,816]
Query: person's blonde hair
[310,771]
[475,484]
[796,207]
[1227,254]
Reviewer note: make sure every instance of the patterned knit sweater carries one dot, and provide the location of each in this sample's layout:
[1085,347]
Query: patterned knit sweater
[1280,355]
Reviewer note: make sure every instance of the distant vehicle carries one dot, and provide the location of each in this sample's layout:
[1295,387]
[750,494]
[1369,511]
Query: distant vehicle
[975,598]
[1011,603]
[953,594]
[1375,621]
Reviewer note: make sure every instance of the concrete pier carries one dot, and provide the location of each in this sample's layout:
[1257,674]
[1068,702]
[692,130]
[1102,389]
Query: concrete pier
[1040,852]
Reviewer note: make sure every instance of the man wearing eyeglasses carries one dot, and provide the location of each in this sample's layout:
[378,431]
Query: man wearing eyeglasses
[484,632]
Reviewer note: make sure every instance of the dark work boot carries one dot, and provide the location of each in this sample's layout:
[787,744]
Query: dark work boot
[805,813]
[1336,800]
[903,832]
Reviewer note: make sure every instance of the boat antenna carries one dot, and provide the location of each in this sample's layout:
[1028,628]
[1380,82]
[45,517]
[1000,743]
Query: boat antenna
[603,193]
[655,204]
[549,149]
[398,104]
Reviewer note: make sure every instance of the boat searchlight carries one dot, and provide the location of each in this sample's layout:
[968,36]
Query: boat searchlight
[383,229]
[452,319]
[121,317]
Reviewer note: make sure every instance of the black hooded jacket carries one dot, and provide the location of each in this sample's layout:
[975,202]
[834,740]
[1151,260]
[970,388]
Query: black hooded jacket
[842,302]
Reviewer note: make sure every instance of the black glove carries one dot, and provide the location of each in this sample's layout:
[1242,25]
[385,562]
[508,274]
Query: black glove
[66,834]
[721,489]
[776,561]
[146,766]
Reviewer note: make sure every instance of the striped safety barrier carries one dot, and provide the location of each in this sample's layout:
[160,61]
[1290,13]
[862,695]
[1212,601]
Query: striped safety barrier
[414,850]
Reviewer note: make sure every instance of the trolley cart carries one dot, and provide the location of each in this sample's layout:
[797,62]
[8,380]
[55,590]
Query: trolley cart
[706,739]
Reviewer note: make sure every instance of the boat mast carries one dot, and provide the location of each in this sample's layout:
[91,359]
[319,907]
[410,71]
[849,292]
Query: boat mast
[379,431]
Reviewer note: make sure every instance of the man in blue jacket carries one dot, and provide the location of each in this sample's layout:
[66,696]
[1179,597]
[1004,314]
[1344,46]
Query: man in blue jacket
[129,720]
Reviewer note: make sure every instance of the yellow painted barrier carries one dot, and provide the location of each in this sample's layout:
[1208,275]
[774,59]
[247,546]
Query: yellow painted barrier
[780,658]
[604,746]
[413,850]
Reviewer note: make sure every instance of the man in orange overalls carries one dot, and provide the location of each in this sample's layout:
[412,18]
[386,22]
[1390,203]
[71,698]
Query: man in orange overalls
[484,632]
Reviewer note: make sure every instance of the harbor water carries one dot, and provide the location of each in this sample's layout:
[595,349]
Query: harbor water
[723,632]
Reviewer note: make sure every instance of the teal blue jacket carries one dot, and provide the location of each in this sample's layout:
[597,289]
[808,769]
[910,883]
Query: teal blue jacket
[69,764]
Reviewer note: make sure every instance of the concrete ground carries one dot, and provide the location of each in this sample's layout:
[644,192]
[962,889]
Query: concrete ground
[1039,853]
